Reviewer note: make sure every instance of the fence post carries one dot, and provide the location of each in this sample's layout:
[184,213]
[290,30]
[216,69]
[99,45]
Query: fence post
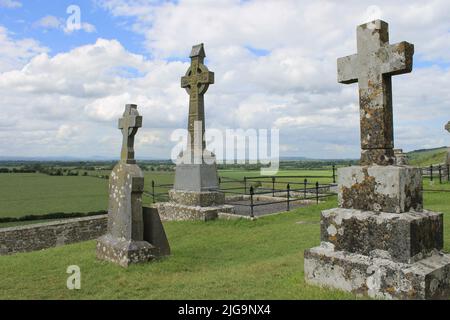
[153,190]
[273,186]
[431,172]
[305,182]
[317,192]
[334,173]
[288,191]
[220,181]
[245,185]
[440,174]
[251,202]
[448,172]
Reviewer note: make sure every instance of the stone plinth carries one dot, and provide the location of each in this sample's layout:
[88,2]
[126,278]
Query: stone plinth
[393,189]
[198,177]
[171,211]
[405,237]
[124,252]
[378,276]
[194,198]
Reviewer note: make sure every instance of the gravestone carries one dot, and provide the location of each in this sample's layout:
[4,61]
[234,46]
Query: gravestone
[195,194]
[379,241]
[125,242]
[401,158]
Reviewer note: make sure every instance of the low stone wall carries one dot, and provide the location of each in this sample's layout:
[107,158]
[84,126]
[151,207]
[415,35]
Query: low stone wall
[47,235]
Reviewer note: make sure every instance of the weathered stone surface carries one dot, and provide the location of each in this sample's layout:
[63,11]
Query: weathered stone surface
[125,252]
[193,198]
[51,234]
[170,211]
[378,276]
[196,167]
[196,82]
[124,242]
[196,177]
[394,189]
[154,232]
[447,126]
[372,67]
[406,237]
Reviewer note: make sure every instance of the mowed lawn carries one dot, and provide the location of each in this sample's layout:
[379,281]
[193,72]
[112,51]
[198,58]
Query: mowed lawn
[220,259]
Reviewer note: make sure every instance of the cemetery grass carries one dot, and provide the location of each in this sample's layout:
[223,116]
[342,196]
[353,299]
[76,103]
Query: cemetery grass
[220,259]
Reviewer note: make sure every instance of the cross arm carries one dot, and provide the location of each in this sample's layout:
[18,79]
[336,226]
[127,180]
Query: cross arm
[185,81]
[207,77]
[400,58]
[346,69]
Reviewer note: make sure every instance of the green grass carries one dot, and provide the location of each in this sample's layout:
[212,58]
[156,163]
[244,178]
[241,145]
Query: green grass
[241,259]
[220,259]
[424,158]
[32,193]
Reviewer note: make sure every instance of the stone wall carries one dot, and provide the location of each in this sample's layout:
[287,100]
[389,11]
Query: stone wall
[51,234]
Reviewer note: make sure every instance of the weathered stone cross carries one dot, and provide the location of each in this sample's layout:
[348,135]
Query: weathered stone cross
[373,67]
[196,82]
[129,125]
[447,126]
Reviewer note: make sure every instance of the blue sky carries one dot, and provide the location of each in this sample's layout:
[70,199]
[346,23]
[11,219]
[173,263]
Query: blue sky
[275,66]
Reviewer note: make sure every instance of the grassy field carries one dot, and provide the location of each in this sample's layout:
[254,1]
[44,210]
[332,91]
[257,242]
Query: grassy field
[424,158]
[33,193]
[220,259]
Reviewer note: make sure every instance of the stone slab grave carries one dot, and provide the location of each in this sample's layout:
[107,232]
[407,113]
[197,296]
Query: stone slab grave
[194,195]
[379,241]
[135,234]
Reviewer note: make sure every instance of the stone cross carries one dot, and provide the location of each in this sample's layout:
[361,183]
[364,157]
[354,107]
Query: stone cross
[447,126]
[196,82]
[373,67]
[129,125]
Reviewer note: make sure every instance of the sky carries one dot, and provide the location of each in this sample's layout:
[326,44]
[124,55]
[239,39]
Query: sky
[62,90]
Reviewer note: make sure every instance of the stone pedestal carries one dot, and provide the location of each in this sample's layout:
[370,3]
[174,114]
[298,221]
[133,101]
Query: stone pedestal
[380,242]
[195,195]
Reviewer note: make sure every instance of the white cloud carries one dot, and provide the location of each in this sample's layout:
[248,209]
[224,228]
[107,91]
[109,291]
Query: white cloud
[292,86]
[49,22]
[10,4]
[15,53]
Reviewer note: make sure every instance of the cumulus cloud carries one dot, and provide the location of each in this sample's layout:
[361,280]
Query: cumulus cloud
[274,64]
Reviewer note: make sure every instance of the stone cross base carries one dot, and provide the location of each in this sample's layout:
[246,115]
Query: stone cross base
[378,276]
[124,252]
[406,237]
[380,254]
[194,198]
[197,177]
[171,211]
[393,189]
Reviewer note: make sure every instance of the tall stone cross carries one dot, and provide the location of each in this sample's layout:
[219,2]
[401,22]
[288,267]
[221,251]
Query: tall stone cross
[373,67]
[447,126]
[129,124]
[196,82]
